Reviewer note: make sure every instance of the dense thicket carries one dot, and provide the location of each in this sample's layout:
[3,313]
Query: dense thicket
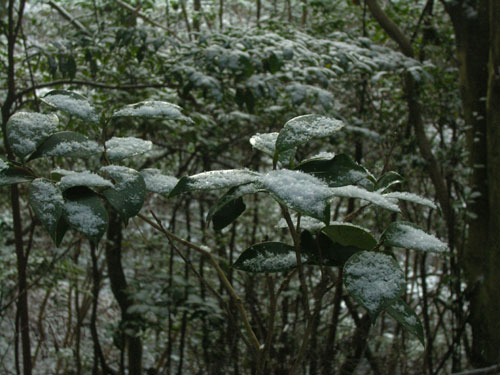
[292,262]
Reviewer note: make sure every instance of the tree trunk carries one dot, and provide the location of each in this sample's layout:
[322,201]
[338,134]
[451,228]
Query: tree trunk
[119,288]
[479,60]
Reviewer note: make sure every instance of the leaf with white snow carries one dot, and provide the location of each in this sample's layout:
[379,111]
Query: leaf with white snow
[156,182]
[71,103]
[410,197]
[351,191]
[213,180]
[302,129]
[374,280]
[409,236]
[267,257]
[152,109]
[299,191]
[118,148]
[69,144]
[85,178]
[26,131]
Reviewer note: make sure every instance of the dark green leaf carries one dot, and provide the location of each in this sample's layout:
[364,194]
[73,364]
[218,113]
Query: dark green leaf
[374,280]
[321,250]
[267,257]
[407,317]
[302,129]
[85,212]
[69,144]
[47,202]
[71,103]
[228,213]
[26,131]
[14,175]
[341,170]
[388,179]
[350,235]
[127,197]
[234,209]
[410,236]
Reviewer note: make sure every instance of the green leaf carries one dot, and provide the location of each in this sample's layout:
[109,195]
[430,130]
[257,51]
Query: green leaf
[267,257]
[228,213]
[152,109]
[407,317]
[69,144]
[299,191]
[86,178]
[213,180]
[85,212]
[302,129]
[47,202]
[347,234]
[127,197]
[72,103]
[156,182]
[341,170]
[14,175]
[409,236]
[388,179]
[374,280]
[26,131]
[321,250]
[230,206]
[118,148]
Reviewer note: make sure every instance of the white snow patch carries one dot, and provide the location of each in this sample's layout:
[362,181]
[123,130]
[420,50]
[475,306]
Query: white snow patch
[269,261]
[151,109]
[85,178]
[410,197]
[123,147]
[374,278]
[83,218]
[157,182]
[221,179]
[351,191]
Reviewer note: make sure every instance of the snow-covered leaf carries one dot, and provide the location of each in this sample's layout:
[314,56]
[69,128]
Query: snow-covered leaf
[374,280]
[266,142]
[47,202]
[26,131]
[213,180]
[410,197]
[71,103]
[156,182]
[407,317]
[85,178]
[118,148]
[85,212]
[69,144]
[351,191]
[127,197]
[267,257]
[152,109]
[410,236]
[302,129]
[299,191]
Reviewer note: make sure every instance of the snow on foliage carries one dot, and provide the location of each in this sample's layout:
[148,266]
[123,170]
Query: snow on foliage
[157,182]
[118,148]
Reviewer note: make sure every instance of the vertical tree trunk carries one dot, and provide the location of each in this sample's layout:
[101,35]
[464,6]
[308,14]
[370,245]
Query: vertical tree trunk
[119,287]
[477,39]
[196,17]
